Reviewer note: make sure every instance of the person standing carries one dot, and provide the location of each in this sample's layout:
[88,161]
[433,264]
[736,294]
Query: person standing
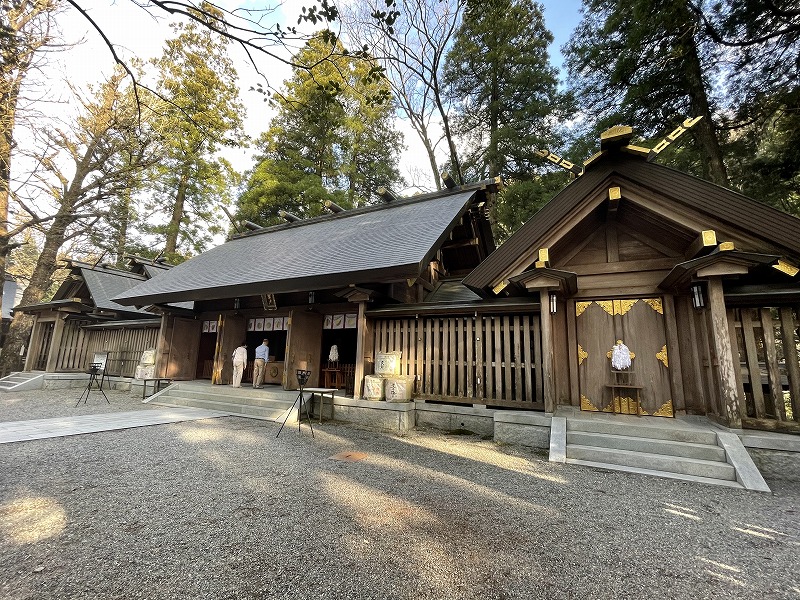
[260,366]
[239,363]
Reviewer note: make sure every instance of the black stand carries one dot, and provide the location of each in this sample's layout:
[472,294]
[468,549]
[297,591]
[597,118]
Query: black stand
[302,379]
[94,370]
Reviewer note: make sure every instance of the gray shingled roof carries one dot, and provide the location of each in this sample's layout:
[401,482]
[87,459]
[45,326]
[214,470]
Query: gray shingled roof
[104,285]
[376,243]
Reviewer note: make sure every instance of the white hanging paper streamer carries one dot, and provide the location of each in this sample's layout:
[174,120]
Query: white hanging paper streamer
[620,356]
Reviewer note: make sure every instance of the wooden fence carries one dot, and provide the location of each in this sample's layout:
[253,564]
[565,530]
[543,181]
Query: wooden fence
[485,359]
[123,346]
[769,357]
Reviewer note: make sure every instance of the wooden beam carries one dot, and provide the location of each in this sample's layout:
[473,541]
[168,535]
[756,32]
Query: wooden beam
[365,345]
[788,327]
[55,345]
[702,245]
[614,196]
[547,352]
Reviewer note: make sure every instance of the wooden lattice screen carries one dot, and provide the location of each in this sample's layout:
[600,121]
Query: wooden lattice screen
[124,347]
[493,360]
[769,357]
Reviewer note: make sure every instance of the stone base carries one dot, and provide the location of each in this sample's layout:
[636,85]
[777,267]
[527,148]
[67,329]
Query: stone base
[522,428]
[449,417]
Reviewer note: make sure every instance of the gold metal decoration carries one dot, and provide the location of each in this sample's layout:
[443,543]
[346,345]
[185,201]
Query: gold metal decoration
[561,162]
[623,306]
[655,304]
[624,405]
[785,267]
[616,132]
[580,307]
[582,355]
[727,246]
[665,410]
[614,193]
[662,356]
[616,307]
[586,404]
[606,305]
[676,133]
[500,287]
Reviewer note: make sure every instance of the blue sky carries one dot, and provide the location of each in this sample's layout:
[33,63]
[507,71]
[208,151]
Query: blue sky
[561,18]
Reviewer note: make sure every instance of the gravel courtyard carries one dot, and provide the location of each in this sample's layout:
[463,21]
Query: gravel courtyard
[221,509]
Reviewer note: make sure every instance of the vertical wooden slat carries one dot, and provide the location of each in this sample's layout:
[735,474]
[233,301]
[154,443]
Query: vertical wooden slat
[753,368]
[469,342]
[526,356]
[462,370]
[479,340]
[488,356]
[453,359]
[518,362]
[436,356]
[497,356]
[406,353]
[420,353]
[790,355]
[507,373]
[773,370]
[412,347]
[537,349]
[428,356]
[737,359]
[445,357]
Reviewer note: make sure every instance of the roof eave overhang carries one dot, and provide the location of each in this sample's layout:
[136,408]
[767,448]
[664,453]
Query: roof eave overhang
[546,279]
[282,286]
[718,263]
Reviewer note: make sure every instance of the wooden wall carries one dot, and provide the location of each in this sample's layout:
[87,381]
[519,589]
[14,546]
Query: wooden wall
[124,347]
[488,359]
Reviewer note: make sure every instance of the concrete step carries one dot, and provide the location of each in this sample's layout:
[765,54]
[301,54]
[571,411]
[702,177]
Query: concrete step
[252,398]
[653,446]
[653,473]
[643,428]
[654,462]
[271,413]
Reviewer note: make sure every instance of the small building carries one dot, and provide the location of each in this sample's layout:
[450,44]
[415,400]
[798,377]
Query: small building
[82,322]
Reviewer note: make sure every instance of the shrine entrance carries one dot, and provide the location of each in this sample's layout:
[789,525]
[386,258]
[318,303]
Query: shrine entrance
[644,387]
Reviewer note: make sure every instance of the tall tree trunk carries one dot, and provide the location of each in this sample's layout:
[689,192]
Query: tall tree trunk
[704,132]
[171,245]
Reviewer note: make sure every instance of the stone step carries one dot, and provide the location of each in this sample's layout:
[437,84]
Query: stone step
[654,462]
[644,428]
[653,473]
[653,446]
[227,395]
[268,413]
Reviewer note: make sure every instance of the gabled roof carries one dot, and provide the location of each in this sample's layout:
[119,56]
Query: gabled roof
[377,243]
[779,231]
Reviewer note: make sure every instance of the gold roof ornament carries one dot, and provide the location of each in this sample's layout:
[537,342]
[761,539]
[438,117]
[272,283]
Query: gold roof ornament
[615,136]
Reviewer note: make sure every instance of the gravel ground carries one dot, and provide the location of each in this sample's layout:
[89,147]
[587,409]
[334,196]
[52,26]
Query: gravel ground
[222,509]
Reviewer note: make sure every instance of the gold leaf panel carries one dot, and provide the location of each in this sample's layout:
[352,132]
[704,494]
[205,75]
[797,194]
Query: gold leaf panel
[586,404]
[665,410]
[580,307]
[662,356]
[623,306]
[625,406]
[655,304]
[582,355]
[606,305]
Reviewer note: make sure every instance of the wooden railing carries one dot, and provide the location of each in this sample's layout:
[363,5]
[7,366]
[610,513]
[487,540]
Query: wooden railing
[769,377]
[494,360]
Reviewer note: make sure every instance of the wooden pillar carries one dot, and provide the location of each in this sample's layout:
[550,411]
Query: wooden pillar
[55,344]
[33,342]
[364,349]
[163,346]
[675,360]
[547,351]
[723,348]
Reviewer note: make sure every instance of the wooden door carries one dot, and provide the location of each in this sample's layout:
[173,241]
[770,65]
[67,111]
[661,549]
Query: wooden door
[182,361]
[639,323]
[303,347]
[231,331]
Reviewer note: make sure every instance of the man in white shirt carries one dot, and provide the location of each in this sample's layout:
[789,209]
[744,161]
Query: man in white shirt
[260,365]
[239,363]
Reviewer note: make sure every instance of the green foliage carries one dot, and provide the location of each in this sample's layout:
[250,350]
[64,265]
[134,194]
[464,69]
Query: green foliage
[330,139]
[520,200]
[499,75]
[200,113]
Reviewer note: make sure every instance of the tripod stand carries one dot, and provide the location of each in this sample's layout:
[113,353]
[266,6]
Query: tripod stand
[94,370]
[302,379]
